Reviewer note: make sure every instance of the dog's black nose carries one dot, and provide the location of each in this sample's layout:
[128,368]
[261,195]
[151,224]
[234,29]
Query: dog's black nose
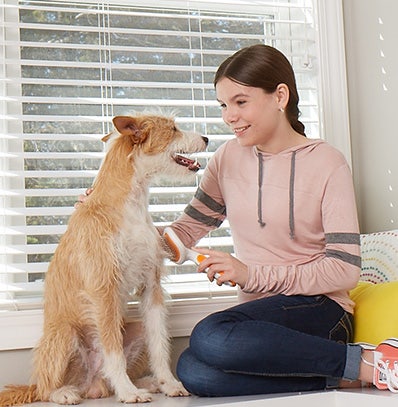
[206,140]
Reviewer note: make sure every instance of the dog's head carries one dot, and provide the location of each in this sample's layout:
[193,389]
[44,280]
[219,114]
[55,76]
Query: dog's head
[158,146]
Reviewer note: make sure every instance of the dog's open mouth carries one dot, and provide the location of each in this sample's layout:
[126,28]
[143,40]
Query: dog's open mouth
[192,165]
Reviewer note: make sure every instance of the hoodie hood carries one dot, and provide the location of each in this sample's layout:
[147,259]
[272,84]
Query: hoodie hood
[292,152]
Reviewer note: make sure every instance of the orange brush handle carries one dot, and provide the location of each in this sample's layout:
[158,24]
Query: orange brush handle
[200,258]
[229,282]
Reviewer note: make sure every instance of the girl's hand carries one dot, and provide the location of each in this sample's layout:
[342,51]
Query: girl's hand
[229,267]
[82,198]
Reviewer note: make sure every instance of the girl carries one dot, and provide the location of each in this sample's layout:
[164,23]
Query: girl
[291,208]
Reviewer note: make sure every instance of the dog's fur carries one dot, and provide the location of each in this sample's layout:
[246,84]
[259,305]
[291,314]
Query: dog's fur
[110,250]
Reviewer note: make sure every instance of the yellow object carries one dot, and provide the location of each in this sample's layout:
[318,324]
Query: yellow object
[376,311]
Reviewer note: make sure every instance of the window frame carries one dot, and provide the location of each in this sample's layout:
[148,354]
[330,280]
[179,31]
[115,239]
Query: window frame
[22,329]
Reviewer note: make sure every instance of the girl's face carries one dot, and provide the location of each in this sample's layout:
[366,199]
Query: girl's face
[253,115]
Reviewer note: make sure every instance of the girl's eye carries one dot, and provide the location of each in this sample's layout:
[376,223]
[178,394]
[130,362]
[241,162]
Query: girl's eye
[241,102]
[223,105]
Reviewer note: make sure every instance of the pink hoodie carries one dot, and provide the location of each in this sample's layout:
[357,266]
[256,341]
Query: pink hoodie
[292,215]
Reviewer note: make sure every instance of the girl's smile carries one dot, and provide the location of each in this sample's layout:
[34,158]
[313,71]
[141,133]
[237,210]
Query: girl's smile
[239,131]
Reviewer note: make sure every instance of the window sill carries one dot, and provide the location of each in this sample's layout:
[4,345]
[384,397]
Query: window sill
[23,329]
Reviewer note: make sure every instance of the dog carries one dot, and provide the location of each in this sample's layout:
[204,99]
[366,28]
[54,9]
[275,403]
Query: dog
[111,249]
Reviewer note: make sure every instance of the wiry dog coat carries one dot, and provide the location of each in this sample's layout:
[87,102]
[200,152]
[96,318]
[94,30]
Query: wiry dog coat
[110,250]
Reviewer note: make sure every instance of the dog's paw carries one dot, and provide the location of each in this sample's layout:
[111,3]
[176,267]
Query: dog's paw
[66,395]
[98,389]
[174,388]
[149,383]
[138,396]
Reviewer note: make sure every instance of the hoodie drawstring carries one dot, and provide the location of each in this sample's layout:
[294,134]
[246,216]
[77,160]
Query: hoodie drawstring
[260,195]
[291,193]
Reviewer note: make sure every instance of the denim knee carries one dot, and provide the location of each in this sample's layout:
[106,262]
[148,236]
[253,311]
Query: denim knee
[207,338]
[190,374]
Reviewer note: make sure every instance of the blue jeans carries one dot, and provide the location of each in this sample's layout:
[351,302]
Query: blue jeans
[271,345]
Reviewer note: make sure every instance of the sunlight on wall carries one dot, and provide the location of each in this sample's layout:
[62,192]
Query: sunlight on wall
[372,62]
[384,72]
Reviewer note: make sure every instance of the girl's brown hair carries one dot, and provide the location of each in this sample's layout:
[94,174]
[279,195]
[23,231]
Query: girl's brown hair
[262,66]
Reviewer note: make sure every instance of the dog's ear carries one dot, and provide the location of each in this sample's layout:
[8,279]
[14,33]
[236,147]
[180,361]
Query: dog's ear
[129,126]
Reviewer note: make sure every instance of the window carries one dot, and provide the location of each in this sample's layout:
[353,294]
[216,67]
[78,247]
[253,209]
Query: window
[70,66]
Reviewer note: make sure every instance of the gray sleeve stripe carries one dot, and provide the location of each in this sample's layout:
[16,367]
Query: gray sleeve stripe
[201,217]
[209,201]
[345,238]
[344,256]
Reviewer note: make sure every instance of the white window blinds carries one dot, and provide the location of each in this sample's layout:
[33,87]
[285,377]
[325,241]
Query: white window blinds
[68,67]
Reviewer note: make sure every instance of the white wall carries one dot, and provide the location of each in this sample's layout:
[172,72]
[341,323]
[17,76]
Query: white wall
[371,34]
[15,367]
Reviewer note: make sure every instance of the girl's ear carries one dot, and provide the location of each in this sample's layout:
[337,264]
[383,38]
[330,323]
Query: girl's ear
[282,94]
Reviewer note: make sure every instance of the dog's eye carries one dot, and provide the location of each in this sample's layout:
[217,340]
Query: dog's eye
[175,128]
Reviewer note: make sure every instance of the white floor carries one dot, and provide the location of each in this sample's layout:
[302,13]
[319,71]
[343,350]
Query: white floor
[336,398]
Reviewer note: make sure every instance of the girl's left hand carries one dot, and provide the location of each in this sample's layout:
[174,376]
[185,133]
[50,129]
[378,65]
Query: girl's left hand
[82,198]
[228,266]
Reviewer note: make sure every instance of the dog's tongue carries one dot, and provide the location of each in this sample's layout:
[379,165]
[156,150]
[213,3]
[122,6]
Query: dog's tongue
[187,162]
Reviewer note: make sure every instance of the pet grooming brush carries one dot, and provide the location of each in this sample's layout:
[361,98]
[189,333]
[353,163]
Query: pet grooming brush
[182,253]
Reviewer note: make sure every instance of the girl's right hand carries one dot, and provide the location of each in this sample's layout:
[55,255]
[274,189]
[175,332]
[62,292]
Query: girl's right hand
[227,266]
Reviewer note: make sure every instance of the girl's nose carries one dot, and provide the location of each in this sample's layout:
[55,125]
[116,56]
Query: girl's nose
[229,116]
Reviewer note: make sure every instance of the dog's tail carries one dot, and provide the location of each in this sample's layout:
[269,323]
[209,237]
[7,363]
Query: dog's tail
[18,395]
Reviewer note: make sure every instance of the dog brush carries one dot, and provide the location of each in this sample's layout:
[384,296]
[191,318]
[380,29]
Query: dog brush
[182,253]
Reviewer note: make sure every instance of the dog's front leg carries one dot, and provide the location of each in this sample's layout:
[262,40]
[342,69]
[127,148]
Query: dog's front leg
[154,314]
[110,323]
